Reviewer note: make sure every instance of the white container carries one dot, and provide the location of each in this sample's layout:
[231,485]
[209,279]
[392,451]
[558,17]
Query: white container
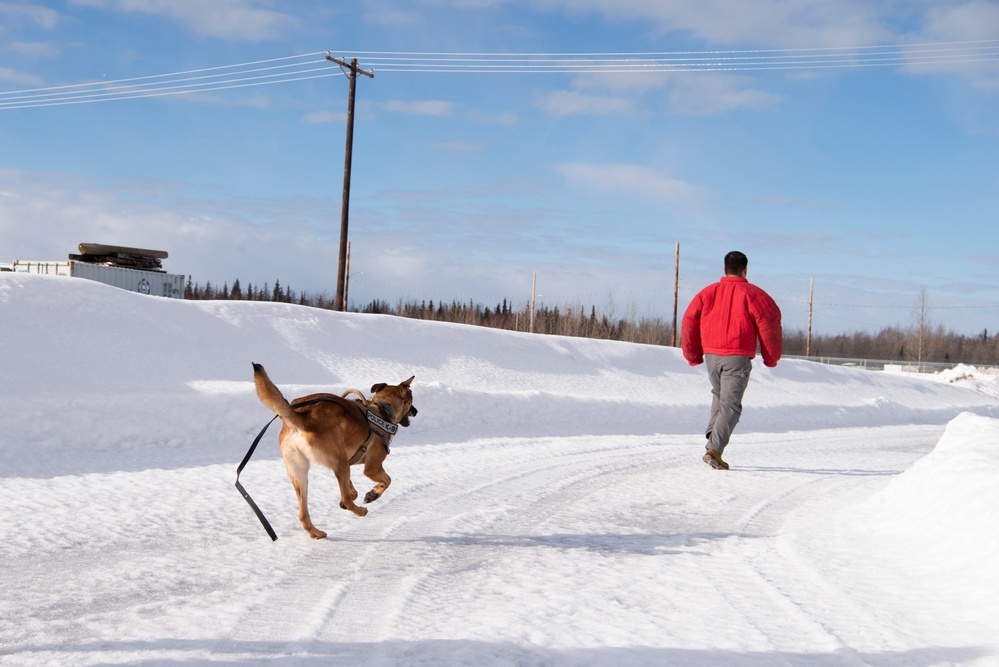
[134,280]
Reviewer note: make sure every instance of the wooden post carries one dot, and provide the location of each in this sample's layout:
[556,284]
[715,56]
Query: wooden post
[534,286]
[676,289]
[808,340]
[346,279]
[339,303]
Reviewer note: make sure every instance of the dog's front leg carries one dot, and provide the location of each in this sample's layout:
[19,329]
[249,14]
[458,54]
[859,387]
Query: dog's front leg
[353,495]
[347,493]
[374,471]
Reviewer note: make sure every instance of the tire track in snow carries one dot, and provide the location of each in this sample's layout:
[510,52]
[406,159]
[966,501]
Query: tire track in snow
[371,567]
[499,512]
[751,573]
[780,573]
[405,571]
[439,533]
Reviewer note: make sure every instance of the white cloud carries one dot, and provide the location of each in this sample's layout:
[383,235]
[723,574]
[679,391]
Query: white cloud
[700,94]
[438,108]
[235,20]
[46,216]
[788,23]
[969,21]
[797,24]
[629,179]
[41,16]
[688,93]
[33,49]
[560,103]
[19,78]
[631,82]
[988,85]
[506,118]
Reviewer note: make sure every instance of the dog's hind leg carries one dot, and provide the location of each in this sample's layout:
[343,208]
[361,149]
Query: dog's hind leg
[297,466]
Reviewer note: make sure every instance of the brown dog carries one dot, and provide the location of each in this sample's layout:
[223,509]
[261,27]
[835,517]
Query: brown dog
[337,433]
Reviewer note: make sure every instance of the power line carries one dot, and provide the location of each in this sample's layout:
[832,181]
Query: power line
[930,53]
[677,62]
[169,84]
[306,67]
[156,76]
[679,53]
[107,89]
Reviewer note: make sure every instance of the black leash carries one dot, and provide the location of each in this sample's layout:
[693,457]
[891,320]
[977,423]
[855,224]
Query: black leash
[256,441]
[242,491]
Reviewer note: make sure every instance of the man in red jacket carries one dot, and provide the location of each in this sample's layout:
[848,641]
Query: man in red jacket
[721,326]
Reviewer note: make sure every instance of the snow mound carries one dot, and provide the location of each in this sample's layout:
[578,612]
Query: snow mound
[949,499]
[982,380]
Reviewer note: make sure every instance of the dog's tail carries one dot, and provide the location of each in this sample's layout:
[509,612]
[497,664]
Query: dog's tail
[272,397]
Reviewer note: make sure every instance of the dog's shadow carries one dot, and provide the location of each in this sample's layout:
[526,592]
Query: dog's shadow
[649,544]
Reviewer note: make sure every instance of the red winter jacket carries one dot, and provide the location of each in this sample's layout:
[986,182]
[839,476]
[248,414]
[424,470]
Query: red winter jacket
[727,318]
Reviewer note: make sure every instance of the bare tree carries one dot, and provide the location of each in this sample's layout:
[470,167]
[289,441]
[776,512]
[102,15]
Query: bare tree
[922,327]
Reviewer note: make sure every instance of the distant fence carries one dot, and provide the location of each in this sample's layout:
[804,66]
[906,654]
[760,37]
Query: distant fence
[897,366]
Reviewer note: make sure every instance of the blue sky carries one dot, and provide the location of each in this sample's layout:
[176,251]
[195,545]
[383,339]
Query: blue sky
[876,181]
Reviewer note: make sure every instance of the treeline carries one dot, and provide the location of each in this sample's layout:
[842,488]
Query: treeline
[922,344]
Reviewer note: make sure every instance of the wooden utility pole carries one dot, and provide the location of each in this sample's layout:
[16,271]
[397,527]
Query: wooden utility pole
[346,279]
[676,289]
[534,286]
[339,303]
[808,341]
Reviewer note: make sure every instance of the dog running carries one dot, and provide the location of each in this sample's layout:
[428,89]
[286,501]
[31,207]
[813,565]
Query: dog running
[337,432]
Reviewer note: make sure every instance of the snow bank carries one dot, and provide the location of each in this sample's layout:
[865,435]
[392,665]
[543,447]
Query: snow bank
[984,380]
[947,503]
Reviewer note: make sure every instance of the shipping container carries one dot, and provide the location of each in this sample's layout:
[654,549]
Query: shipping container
[134,280]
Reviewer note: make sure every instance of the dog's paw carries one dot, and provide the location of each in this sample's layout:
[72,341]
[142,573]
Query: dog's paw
[361,511]
[316,534]
[371,496]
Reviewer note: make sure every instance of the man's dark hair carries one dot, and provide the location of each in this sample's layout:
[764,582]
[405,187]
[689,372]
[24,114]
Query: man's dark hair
[735,263]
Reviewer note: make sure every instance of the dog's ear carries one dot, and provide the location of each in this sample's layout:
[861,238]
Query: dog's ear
[407,382]
[375,388]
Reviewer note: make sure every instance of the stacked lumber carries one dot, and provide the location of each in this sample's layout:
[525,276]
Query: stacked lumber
[114,255]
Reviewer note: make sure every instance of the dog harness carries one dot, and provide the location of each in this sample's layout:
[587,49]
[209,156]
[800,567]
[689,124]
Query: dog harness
[376,425]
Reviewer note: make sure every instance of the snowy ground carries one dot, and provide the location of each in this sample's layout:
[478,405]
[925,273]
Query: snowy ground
[549,505]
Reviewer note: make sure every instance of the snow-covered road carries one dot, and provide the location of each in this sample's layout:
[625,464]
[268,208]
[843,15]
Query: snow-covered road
[549,505]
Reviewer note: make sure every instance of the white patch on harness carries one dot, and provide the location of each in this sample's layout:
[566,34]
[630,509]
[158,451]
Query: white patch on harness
[388,427]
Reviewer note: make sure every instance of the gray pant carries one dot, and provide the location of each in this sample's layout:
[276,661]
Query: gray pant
[729,377]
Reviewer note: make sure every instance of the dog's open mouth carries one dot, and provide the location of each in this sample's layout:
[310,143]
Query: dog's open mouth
[412,413]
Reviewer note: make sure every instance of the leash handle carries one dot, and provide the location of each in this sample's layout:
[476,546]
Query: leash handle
[256,510]
[242,491]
